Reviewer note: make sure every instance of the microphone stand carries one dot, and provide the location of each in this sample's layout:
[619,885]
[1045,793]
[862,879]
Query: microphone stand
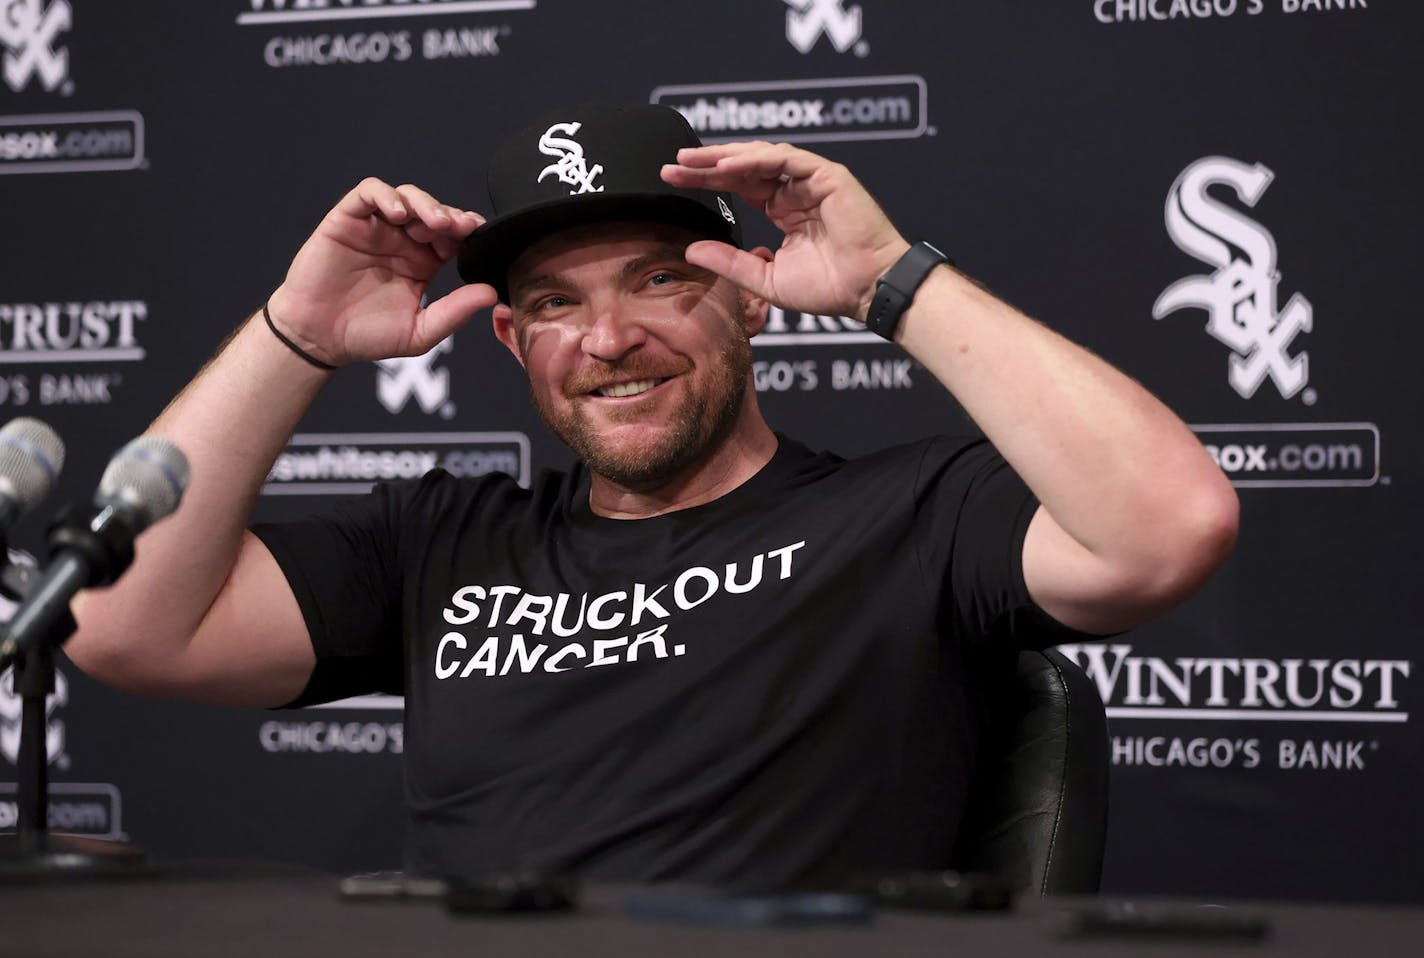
[33,852]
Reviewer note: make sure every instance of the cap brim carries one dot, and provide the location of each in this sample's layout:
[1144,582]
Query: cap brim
[487,253]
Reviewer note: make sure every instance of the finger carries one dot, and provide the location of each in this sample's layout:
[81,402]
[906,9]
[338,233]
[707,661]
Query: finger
[437,224]
[709,155]
[767,160]
[439,218]
[756,171]
[445,247]
[446,242]
[419,232]
[746,270]
[373,196]
[448,313]
[467,222]
[461,223]
[754,190]
[427,208]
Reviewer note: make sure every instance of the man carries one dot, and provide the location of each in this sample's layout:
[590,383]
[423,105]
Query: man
[706,652]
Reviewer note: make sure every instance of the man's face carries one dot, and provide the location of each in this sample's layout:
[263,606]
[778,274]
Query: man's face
[637,360]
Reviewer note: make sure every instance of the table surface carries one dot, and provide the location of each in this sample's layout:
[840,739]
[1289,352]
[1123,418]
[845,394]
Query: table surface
[231,911]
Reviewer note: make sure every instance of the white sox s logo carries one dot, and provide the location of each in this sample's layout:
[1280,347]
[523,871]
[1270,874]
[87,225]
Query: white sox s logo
[572,168]
[28,31]
[1240,297]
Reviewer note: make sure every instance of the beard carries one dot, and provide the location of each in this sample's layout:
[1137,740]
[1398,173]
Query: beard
[698,426]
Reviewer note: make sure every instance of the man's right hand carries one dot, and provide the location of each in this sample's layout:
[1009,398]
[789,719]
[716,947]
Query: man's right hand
[206,613]
[353,291]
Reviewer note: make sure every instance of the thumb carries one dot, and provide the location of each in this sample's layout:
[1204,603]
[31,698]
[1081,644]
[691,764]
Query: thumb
[747,270]
[448,313]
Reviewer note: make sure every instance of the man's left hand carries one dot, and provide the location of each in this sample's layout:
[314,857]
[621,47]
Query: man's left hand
[838,242]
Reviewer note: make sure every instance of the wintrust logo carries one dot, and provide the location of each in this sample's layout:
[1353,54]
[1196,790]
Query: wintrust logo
[99,330]
[1240,296]
[306,11]
[374,39]
[1182,11]
[1244,689]
[805,374]
[1221,712]
[809,20]
[398,381]
[333,737]
[811,329]
[75,337]
[29,31]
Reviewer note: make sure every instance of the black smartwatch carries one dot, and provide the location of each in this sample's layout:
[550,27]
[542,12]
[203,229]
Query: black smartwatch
[896,289]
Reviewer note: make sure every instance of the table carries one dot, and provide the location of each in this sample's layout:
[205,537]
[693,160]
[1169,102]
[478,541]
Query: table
[227,910]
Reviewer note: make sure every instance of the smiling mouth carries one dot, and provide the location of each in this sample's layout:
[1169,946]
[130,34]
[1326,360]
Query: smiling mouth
[624,390]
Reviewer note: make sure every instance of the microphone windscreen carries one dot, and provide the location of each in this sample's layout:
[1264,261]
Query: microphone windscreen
[31,455]
[148,475]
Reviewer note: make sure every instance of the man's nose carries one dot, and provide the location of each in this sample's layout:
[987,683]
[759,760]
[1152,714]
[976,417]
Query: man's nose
[614,333]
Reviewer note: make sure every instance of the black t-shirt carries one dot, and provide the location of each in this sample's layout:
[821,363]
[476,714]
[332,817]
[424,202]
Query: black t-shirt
[768,687]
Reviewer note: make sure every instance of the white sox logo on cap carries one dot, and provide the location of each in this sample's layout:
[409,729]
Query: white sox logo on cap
[572,168]
[544,178]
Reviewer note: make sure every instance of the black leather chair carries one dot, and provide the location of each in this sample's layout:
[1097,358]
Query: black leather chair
[1038,807]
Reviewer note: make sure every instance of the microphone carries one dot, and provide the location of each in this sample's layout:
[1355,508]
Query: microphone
[93,546]
[31,455]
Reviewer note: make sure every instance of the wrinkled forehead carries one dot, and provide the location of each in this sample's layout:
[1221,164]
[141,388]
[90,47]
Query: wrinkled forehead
[594,246]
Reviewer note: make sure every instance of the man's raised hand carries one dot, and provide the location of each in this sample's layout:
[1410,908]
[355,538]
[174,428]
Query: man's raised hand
[837,243]
[354,288]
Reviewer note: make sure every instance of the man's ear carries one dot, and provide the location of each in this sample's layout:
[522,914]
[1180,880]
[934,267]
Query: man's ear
[756,307]
[503,319]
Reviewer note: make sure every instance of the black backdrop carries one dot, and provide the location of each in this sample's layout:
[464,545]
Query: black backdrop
[160,162]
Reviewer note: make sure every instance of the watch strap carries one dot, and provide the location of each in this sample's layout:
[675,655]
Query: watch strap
[896,289]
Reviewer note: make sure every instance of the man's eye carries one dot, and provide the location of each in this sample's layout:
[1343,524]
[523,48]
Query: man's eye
[661,279]
[551,302]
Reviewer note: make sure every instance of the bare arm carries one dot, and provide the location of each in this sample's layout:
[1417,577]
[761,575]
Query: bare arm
[205,613]
[1134,516]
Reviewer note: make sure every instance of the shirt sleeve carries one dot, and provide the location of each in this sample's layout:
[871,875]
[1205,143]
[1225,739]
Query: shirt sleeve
[972,513]
[344,568]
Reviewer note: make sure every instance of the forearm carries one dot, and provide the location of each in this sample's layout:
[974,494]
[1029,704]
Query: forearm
[1134,514]
[231,422]
[1113,466]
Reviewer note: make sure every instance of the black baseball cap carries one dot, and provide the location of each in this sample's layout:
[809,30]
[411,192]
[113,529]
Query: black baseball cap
[588,164]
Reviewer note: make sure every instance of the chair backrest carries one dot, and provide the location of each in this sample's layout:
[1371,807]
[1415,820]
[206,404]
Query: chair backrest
[1037,812]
